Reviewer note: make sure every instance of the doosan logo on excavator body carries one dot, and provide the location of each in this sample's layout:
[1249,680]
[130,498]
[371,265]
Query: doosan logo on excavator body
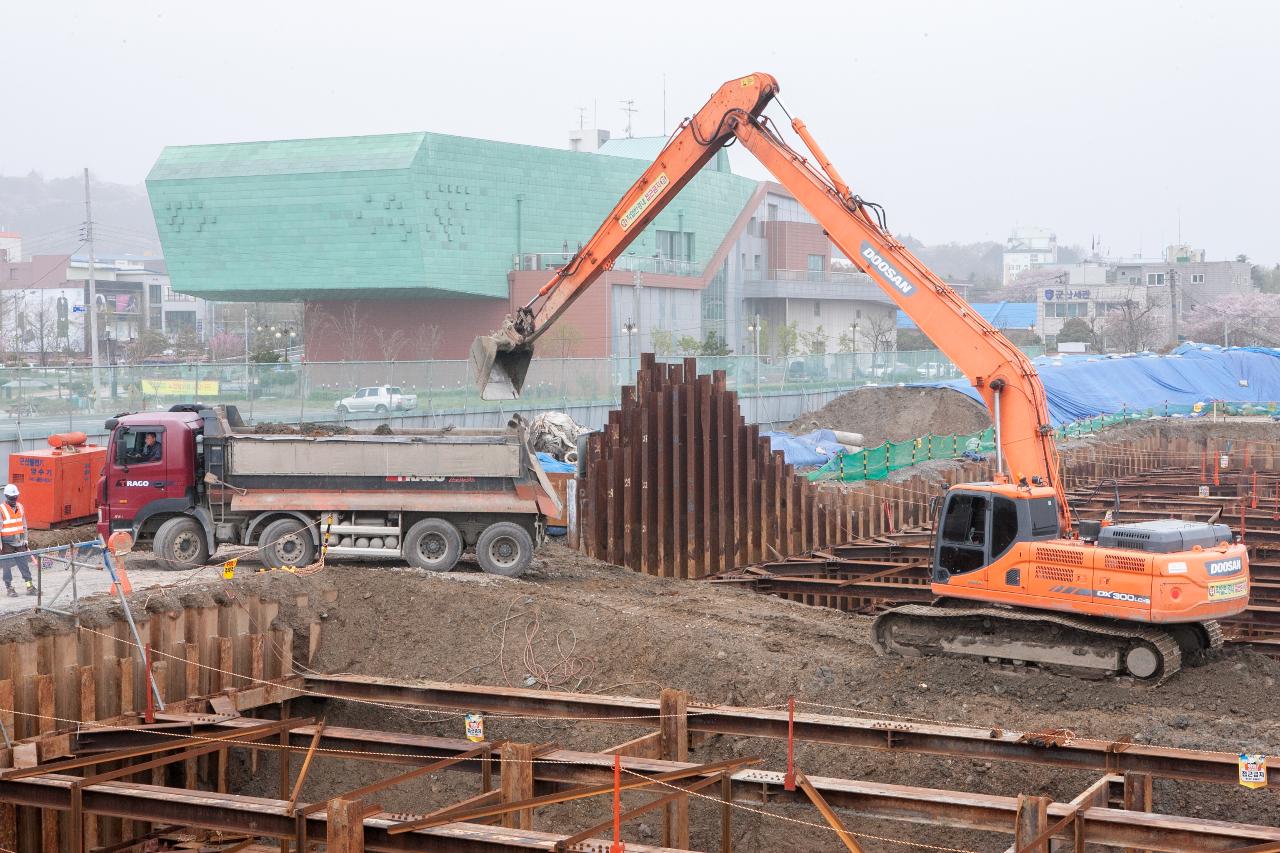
[887,270]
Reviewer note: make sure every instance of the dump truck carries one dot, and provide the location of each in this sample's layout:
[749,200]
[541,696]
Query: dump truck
[193,478]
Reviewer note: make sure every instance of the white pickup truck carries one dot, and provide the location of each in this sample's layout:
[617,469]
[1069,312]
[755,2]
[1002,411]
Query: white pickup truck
[377,398]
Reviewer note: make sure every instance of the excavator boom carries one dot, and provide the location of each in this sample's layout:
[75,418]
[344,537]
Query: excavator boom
[1131,598]
[1002,374]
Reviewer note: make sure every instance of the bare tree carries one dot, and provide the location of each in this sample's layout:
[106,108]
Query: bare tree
[38,326]
[349,328]
[1135,323]
[564,339]
[881,330]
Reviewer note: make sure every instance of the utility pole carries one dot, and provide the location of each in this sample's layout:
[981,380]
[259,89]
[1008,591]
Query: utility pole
[1173,309]
[92,308]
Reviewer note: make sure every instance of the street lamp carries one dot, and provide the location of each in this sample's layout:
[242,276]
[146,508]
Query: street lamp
[754,328]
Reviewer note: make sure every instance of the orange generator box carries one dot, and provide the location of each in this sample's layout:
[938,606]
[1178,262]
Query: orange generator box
[59,485]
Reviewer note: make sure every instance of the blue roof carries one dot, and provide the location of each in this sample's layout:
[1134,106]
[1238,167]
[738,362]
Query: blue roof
[1002,315]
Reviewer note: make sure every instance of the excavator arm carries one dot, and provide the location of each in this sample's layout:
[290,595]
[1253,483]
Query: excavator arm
[1002,374]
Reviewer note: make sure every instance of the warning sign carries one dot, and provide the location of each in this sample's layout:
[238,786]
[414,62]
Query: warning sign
[1253,771]
[475,727]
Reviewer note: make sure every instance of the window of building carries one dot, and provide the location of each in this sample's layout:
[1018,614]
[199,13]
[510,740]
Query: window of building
[758,263]
[156,292]
[858,313]
[1197,278]
[773,212]
[1155,278]
[816,265]
[1066,309]
[817,307]
[675,245]
[753,228]
[13,275]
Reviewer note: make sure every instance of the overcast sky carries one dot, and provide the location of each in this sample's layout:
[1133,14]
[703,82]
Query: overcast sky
[963,119]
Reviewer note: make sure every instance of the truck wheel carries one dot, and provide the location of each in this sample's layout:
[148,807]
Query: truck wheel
[382,410]
[343,410]
[504,548]
[433,544]
[286,542]
[180,544]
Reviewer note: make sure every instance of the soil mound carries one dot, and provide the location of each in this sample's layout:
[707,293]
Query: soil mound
[897,413]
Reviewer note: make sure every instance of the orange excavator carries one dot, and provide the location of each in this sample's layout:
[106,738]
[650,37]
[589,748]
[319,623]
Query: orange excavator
[1014,581]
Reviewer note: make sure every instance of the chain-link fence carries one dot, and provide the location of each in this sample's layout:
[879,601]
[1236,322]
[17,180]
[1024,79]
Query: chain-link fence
[70,397]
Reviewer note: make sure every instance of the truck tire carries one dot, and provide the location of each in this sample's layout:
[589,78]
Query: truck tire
[381,409]
[433,544]
[504,548]
[343,410]
[180,544]
[286,542]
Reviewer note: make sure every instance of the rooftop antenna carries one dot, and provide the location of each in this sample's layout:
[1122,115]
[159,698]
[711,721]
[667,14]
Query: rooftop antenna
[629,107]
[582,117]
[1179,225]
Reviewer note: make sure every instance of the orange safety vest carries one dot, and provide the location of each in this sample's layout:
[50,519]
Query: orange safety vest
[13,522]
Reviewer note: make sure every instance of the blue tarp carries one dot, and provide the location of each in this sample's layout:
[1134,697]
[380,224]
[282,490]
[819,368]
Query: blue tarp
[1082,386]
[552,465]
[804,451]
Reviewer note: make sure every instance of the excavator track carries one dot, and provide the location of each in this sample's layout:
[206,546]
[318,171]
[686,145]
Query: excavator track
[1078,645]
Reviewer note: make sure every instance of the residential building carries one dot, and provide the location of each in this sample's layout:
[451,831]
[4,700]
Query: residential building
[10,247]
[1094,291]
[1027,247]
[409,245]
[43,303]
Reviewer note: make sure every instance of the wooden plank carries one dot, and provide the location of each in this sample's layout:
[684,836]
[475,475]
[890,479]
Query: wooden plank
[674,746]
[1032,820]
[344,828]
[516,777]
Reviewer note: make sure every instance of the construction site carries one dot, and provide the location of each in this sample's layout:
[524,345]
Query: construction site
[998,615]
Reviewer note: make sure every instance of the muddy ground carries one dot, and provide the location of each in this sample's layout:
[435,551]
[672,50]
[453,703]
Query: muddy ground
[895,414]
[595,627]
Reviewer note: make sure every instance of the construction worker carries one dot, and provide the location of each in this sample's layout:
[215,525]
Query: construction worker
[13,540]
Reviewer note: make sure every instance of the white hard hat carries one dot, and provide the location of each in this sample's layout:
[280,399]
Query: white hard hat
[11,491]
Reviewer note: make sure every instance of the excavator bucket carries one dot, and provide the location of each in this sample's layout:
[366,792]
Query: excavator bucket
[499,366]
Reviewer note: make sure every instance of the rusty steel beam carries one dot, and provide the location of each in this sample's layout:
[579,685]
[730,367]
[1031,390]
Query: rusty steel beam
[267,817]
[952,809]
[1084,754]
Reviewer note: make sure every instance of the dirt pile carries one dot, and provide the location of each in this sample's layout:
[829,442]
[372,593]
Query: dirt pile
[895,414]
[323,430]
[580,625]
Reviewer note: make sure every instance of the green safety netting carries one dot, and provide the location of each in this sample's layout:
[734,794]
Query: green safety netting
[875,463]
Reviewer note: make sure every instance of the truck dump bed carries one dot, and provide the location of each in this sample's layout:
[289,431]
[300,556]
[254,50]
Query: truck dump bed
[444,454]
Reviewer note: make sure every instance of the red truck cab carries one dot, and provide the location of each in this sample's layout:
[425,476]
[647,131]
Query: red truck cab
[153,473]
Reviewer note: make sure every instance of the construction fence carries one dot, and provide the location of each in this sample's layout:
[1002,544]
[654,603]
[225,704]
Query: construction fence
[875,463]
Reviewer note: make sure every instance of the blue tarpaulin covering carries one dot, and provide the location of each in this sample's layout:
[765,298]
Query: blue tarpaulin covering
[552,465]
[1082,386]
[803,451]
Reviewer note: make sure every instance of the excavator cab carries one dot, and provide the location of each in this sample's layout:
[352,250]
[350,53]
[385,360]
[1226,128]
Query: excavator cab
[980,522]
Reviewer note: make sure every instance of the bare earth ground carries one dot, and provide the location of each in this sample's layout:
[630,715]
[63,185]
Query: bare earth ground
[611,630]
[594,627]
